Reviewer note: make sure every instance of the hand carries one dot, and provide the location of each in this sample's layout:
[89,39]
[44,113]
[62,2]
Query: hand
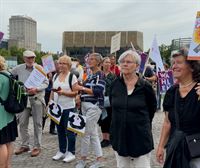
[32,91]
[77,87]
[198,90]
[160,155]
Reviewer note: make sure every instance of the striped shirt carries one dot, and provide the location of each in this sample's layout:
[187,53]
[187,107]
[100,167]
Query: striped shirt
[96,82]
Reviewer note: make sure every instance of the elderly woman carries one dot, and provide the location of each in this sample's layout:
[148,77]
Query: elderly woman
[133,105]
[64,96]
[180,102]
[92,99]
[8,125]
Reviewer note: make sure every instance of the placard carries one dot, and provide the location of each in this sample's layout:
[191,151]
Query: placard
[36,78]
[48,63]
[54,111]
[194,51]
[76,123]
[115,43]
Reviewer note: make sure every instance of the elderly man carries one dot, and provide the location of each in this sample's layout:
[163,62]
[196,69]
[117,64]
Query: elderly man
[35,106]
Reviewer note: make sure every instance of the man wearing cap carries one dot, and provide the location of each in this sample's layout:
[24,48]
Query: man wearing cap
[35,106]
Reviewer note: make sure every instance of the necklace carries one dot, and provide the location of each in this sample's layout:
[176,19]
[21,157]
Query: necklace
[184,86]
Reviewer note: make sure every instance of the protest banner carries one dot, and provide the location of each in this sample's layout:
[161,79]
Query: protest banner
[155,56]
[48,63]
[76,123]
[165,80]
[194,51]
[36,77]
[54,111]
[115,43]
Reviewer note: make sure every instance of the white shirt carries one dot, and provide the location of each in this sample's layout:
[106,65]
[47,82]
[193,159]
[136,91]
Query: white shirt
[64,101]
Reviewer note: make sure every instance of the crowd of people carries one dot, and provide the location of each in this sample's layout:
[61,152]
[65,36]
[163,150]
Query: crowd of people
[115,97]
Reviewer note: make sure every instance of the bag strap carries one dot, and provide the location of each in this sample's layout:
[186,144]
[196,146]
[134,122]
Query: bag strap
[5,74]
[175,110]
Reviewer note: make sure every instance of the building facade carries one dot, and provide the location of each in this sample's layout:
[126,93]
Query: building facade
[22,32]
[78,43]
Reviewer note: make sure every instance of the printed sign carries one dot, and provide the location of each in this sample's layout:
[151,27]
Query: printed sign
[194,51]
[165,80]
[36,77]
[48,63]
[76,123]
[55,111]
[115,43]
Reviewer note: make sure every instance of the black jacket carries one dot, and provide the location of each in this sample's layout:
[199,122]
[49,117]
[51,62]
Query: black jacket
[131,118]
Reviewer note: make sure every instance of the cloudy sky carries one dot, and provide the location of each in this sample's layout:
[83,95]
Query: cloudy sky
[168,19]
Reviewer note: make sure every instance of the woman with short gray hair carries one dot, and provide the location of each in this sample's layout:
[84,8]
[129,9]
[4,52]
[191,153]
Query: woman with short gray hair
[133,105]
[92,101]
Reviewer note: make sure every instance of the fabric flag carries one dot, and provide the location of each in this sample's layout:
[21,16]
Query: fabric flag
[165,80]
[1,36]
[155,56]
[194,51]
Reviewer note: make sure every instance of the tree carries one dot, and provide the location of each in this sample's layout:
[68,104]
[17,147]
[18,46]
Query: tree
[165,52]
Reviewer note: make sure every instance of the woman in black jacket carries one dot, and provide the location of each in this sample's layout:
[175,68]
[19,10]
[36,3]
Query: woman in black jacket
[133,105]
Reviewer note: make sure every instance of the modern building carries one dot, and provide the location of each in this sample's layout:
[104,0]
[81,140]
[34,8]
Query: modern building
[22,32]
[78,43]
[180,43]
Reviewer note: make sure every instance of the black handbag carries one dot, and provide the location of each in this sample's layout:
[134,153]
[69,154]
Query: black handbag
[193,141]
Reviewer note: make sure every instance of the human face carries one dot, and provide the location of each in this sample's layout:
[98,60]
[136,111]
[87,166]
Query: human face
[180,68]
[106,64]
[63,65]
[92,61]
[128,65]
[29,61]
[112,60]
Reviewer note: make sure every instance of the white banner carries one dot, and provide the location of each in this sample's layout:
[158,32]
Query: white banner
[115,43]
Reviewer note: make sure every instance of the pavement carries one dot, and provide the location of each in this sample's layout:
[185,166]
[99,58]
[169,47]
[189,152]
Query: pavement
[50,147]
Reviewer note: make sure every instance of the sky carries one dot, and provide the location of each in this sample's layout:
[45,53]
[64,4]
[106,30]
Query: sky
[167,19]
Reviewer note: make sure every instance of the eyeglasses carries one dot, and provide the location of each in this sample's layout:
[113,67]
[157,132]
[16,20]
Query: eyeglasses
[29,57]
[127,62]
[62,63]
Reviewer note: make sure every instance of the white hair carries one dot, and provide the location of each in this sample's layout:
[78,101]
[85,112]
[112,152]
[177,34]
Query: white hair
[134,55]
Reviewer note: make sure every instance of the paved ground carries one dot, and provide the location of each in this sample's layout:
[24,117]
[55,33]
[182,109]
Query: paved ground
[50,147]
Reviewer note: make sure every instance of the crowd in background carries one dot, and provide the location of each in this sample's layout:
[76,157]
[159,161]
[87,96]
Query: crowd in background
[115,97]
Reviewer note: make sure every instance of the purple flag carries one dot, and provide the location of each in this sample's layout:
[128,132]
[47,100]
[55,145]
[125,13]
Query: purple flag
[1,36]
[144,58]
[165,80]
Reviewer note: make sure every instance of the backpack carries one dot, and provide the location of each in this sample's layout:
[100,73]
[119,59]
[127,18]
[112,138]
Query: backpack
[17,98]
[70,78]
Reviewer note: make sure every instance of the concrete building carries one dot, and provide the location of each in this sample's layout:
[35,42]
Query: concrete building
[22,32]
[180,43]
[79,43]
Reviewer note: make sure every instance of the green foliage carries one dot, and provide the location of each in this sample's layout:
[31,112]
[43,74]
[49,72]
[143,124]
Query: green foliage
[18,52]
[4,52]
[165,52]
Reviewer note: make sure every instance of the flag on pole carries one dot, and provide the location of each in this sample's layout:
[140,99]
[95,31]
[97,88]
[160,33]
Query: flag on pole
[155,56]
[1,36]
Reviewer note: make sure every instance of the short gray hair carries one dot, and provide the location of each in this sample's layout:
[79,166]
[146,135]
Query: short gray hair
[134,55]
[98,56]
